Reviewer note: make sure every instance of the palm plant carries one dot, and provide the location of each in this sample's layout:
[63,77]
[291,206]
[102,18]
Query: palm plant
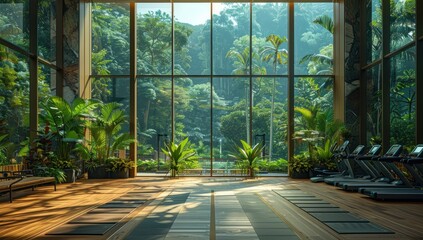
[324,155]
[278,57]
[322,58]
[242,67]
[106,136]
[64,123]
[319,127]
[179,155]
[3,148]
[248,154]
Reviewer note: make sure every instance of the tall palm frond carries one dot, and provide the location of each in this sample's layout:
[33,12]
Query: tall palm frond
[273,52]
[278,57]
[326,22]
[179,154]
[248,154]
[242,61]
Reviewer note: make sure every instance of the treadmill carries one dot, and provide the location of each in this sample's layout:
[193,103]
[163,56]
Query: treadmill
[338,153]
[358,151]
[410,162]
[363,160]
[387,165]
[411,194]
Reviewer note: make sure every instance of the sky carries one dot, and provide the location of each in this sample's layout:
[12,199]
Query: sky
[192,13]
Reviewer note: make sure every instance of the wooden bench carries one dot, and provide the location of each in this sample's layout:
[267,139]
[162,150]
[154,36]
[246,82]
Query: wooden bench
[13,167]
[10,183]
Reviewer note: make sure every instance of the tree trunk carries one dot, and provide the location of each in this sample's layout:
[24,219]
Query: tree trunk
[247,123]
[146,115]
[251,171]
[271,121]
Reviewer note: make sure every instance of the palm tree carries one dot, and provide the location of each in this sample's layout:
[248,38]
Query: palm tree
[242,67]
[278,57]
[323,58]
[106,136]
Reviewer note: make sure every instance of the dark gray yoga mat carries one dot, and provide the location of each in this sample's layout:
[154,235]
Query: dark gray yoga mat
[81,229]
[334,217]
[309,201]
[119,205]
[324,210]
[111,210]
[337,217]
[358,228]
[315,205]
[99,218]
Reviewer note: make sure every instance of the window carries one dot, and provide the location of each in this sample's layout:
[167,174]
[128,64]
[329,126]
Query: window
[220,77]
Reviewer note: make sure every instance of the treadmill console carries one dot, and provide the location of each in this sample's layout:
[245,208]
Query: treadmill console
[344,146]
[417,151]
[358,150]
[394,150]
[334,147]
[375,150]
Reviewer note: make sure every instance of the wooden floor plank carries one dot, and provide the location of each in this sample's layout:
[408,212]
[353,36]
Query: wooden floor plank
[32,214]
[402,217]
[35,213]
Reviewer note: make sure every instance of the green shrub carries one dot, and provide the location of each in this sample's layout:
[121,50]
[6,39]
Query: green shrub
[150,165]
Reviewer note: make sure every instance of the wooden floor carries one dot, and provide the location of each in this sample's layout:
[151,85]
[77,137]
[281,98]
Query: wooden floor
[32,214]
[404,218]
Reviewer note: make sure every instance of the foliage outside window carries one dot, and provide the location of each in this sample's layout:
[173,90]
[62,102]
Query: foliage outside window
[218,100]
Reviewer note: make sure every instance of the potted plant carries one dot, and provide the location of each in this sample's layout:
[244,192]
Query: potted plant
[300,166]
[179,155]
[64,125]
[324,156]
[119,167]
[247,155]
[105,140]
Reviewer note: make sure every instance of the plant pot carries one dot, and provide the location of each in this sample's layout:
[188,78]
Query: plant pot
[70,175]
[119,174]
[98,173]
[300,175]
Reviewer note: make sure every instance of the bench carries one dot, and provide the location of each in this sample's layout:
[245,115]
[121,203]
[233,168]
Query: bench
[10,183]
[16,167]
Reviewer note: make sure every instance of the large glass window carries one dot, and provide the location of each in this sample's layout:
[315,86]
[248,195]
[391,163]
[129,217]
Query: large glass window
[110,38]
[153,121]
[113,90]
[192,38]
[403,98]
[224,72]
[46,81]
[231,117]
[374,105]
[270,106]
[373,30]
[14,17]
[231,38]
[14,103]
[192,116]
[154,38]
[313,122]
[313,38]
[402,23]
[400,89]
[270,55]
[47,29]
